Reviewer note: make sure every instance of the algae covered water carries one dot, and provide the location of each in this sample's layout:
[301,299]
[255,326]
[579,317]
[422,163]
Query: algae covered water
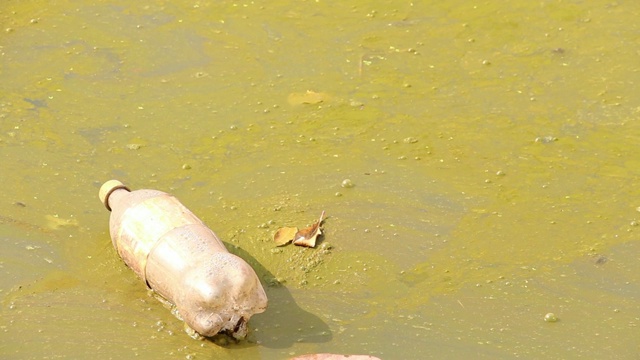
[476,163]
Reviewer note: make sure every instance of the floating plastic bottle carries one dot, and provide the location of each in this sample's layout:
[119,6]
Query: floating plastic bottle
[182,260]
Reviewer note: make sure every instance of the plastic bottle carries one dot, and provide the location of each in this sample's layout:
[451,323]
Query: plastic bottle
[182,260]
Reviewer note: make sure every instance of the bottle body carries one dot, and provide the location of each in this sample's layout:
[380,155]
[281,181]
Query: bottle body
[181,259]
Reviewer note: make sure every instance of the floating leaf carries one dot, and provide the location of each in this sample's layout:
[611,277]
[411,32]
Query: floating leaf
[309,97]
[284,235]
[307,236]
[54,222]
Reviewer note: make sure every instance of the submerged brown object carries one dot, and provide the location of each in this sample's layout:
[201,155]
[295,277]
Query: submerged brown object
[182,260]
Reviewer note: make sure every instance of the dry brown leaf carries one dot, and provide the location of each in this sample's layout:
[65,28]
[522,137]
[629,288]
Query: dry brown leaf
[307,236]
[284,235]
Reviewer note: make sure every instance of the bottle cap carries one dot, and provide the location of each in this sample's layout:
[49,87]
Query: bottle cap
[107,188]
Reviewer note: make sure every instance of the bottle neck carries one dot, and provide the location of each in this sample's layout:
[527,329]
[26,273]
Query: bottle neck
[116,197]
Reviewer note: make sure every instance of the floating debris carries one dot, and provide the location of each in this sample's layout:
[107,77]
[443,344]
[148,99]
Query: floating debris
[285,235]
[55,222]
[550,317]
[134,146]
[309,97]
[546,139]
[306,237]
[347,183]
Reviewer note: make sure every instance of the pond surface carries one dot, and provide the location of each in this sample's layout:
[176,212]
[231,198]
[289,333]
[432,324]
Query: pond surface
[493,151]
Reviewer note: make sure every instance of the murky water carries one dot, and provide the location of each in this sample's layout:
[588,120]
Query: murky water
[493,150]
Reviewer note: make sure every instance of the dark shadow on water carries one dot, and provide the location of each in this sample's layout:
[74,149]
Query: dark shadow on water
[284,322]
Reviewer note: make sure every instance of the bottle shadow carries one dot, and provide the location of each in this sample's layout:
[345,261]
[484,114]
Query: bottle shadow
[284,322]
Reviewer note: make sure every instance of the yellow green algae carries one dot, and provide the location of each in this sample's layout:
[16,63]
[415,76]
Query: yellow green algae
[492,150]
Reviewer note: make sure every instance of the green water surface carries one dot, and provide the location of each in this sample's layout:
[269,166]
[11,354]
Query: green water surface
[493,149]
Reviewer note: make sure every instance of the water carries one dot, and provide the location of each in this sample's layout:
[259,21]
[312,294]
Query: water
[491,149]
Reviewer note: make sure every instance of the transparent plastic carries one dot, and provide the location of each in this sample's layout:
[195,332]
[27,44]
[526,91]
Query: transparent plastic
[182,260]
